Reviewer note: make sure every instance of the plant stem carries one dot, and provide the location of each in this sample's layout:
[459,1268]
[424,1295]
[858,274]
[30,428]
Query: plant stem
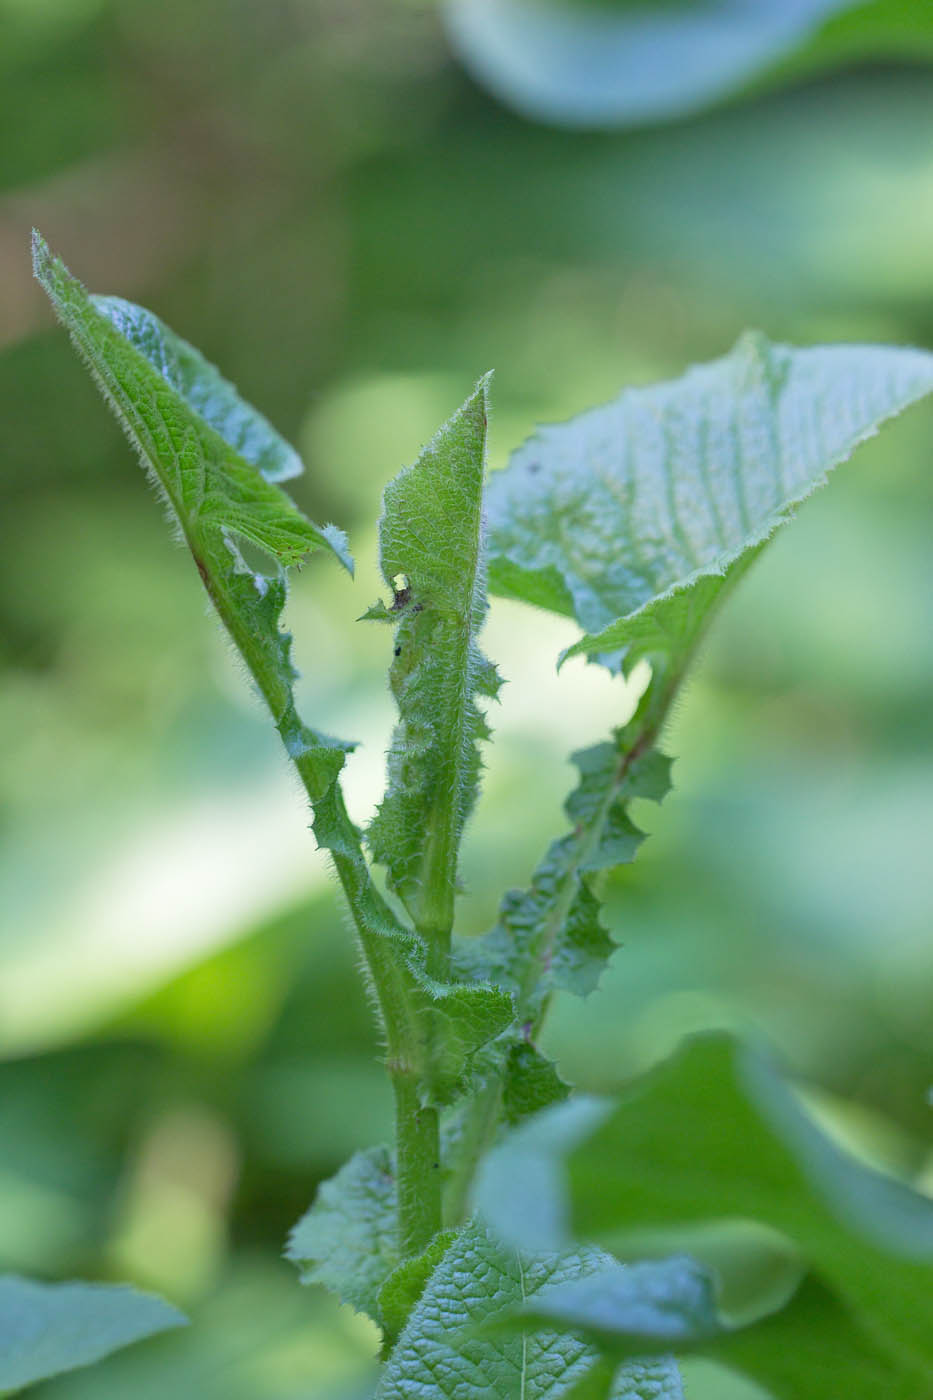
[417,1128]
[417,1145]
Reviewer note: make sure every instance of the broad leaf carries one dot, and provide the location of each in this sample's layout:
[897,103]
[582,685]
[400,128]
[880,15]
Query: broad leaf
[215,461]
[810,1346]
[348,1240]
[431,548]
[635,517]
[583,63]
[713,1133]
[444,1353]
[46,1328]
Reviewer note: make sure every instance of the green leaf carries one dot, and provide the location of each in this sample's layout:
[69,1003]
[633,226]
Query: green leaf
[215,461]
[442,1354]
[716,1133]
[634,518]
[550,936]
[594,63]
[348,1240]
[405,1285]
[46,1328]
[431,544]
[811,1346]
[530,1083]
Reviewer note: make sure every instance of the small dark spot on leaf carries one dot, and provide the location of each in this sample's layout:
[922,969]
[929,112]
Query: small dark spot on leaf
[400,599]
[398,651]
[534,467]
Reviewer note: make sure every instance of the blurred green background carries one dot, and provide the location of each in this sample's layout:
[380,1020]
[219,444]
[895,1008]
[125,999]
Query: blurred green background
[317,194]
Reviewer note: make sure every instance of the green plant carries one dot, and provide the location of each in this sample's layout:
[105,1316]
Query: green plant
[488,1242]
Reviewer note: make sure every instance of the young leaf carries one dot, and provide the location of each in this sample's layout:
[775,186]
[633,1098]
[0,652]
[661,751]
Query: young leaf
[215,461]
[46,1328]
[714,1133]
[550,936]
[348,1240]
[635,517]
[431,541]
[445,1353]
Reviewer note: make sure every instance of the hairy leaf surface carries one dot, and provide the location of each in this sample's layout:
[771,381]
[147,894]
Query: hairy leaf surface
[713,1133]
[46,1328]
[348,1240]
[634,518]
[431,545]
[441,1354]
[215,462]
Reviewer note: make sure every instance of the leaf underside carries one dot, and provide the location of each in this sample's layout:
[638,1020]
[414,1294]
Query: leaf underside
[634,517]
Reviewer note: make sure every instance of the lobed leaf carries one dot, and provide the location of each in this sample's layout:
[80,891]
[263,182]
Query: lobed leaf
[715,1133]
[46,1328]
[447,1352]
[634,518]
[431,547]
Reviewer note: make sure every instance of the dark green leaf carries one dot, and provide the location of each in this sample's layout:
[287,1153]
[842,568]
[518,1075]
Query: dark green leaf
[715,1133]
[46,1328]
[405,1285]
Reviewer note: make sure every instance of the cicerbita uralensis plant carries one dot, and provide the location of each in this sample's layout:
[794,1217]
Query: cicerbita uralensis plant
[479,1240]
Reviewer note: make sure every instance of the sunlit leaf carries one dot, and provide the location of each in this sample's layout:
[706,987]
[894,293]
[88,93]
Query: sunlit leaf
[635,517]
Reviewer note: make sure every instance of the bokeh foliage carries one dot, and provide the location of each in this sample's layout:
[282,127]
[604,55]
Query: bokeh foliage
[315,194]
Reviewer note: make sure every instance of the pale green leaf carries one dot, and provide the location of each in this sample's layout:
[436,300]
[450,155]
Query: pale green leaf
[431,546]
[46,1328]
[609,63]
[634,517]
[810,1346]
[442,1354]
[348,1240]
[716,1133]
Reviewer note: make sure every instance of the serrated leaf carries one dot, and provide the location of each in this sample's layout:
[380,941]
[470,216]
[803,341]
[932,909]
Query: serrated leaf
[584,65]
[431,549]
[46,1328]
[348,1240]
[550,936]
[215,462]
[441,1356]
[714,1132]
[635,517]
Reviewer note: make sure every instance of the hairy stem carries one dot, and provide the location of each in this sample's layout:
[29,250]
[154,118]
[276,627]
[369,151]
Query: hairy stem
[417,1129]
[418,1174]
